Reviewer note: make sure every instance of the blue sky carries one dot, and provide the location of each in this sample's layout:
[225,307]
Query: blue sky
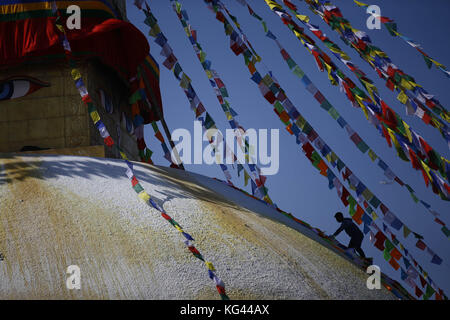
[297,187]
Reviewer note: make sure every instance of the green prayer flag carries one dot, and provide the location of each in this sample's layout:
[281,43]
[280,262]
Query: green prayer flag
[352,205]
[375,202]
[315,158]
[333,113]
[428,292]
[362,146]
[91,107]
[274,88]
[224,92]
[413,196]
[326,105]
[209,122]
[148,153]
[386,255]
[427,61]
[307,128]
[278,106]
[391,27]
[298,72]
[340,165]
[291,63]
[138,188]
[395,241]
[388,245]
[446,231]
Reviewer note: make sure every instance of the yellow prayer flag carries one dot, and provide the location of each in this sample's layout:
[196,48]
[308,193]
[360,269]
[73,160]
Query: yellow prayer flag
[361,104]
[437,63]
[75,74]
[393,138]
[436,123]
[334,157]
[187,31]
[374,215]
[154,31]
[408,132]
[329,69]
[427,169]
[246,177]
[360,4]
[210,266]
[302,17]
[402,97]
[144,196]
[184,82]
[380,53]
[60,28]
[297,34]
[372,155]
[95,116]
[123,155]
[267,199]
[300,122]
[267,80]
[178,228]
[272,4]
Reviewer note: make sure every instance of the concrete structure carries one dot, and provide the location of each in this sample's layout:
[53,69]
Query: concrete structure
[63,210]
[55,118]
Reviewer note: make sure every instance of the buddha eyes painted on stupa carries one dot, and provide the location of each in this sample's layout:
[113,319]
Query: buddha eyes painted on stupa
[19,86]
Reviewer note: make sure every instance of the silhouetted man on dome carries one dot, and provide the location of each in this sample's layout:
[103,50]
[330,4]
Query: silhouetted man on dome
[356,236]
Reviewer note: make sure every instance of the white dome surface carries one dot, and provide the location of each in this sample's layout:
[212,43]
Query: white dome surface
[57,211]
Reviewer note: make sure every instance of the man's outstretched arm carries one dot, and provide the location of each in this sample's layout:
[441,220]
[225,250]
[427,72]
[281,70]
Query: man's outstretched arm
[338,231]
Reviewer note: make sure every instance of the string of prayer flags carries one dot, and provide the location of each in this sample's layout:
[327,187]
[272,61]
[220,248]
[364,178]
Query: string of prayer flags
[136,101]
[382,64]
[315,160]
[366,82]
[307,137]
[221,93]
[159,136]
[411,146]
[195,103]
[359,143]
[142,194]
[391,26]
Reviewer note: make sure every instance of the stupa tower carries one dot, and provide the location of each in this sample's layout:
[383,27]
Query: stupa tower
[41,108]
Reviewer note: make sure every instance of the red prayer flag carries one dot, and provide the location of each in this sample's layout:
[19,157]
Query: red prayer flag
[418,292]
[358,214]
[421,245]
[394,263]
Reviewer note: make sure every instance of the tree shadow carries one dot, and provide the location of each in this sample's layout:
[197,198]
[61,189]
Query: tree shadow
[170,183]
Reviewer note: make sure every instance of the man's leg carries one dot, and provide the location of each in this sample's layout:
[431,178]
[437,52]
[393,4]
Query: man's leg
[355,243]
[360,252]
